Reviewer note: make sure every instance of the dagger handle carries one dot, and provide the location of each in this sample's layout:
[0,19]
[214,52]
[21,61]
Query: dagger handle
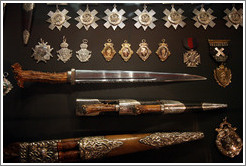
[22,76]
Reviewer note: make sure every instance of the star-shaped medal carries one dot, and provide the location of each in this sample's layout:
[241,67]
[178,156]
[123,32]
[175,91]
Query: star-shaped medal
[42,51]
[144,18]
[58,19]
[174,18]
[204,18]
[114,18]
[87,18]
[234,17]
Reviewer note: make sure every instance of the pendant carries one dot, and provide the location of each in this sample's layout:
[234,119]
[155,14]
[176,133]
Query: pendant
[228,141]
[204,18]
[64,54]
[143,50]
[126,51]
[83,54]
[114,18]
[223,75]
[42,51]
[87,18]
[174,18]
[163,51]
[192,58]
[7,86]
[234,17]
[58,19]
[145,18]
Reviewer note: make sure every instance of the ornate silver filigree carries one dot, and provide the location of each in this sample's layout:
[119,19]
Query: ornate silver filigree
[174,18]
[7,86]
[234,17]
[164,139]
[42,51]
[87,18]
[64,54]
[23,152]
[83,54]
[145,18]
[204,18]
[192,58]
[96,147]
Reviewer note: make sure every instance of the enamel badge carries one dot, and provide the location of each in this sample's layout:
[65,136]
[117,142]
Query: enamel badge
[42,51]
[228,141]
[191,56]
[174,18]
[83,54]
[223,75]
[219,49]
[108,50]
[163,51]
[87,18]
[7,86]
[64,54]
[234,17]
[143,50]
[204,18]
[126,51]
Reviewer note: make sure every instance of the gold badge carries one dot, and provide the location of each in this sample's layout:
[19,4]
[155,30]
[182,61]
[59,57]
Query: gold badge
[143,50]
[163,51]
[126,51]
[222,75]
[108,50]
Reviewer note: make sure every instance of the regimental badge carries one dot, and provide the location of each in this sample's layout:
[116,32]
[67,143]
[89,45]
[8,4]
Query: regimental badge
[223,75]
[143,50]
[228,141]
[114,18]
[234,17]
[42,51]
[7,86]
[126,51]
[108,50]
[163,51]
[191,57]
[64,54]
[83,54]
[145,18]
[87,18]
[204,18]
[58,19]
[219,49]
[174,18]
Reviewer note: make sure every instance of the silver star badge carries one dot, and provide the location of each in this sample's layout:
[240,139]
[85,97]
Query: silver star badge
[145,18]
[58,19]
[204,18]
[174,18]
[42,51]
[234,17]
[87,18]
[114,18]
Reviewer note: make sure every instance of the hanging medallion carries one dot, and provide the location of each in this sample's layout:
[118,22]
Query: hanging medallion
[174,18]
[228,141]
[64,54]
[7,86]
[163,51]
[223,75]
[126,51]
[83,54]
[191,57]
[42,51]
[204,18]
[108,50]
[114,18]
[145,18]
[58,19]
[87,18]
[143,50]
[234,17]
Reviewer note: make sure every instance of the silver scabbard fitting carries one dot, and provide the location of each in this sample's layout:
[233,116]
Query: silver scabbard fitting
[71,76]
[172,107]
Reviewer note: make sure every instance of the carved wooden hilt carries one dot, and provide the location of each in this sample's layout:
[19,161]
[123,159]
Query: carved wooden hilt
[22,76]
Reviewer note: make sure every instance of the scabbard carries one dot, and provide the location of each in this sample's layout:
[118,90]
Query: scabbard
[27,21]
[87,148]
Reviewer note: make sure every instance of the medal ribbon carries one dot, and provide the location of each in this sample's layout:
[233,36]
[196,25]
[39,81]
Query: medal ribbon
[190,43]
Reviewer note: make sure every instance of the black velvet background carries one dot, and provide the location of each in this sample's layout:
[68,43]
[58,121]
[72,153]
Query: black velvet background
[47,111]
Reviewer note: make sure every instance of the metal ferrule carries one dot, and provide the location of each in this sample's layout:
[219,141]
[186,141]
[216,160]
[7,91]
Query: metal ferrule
[172,107]
[128,106]
[71,76]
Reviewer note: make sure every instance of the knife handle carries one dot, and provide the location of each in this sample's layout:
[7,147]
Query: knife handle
[22,76]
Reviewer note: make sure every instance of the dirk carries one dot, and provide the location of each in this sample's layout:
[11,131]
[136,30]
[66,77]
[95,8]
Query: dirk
[98,76]
[27,20]
[93,107]
[87,148]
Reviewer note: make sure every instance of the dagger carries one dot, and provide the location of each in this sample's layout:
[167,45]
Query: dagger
[87,148]
[99,76]
[27,20]
[94,107]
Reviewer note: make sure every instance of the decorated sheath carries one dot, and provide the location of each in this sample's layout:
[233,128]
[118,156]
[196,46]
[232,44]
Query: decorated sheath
[27,20]
[191,57]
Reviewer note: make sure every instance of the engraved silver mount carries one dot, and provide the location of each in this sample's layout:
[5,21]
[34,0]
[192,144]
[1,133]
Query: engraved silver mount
[7,86]
[234,17]
[83,54]
[42,51]
[64,54]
